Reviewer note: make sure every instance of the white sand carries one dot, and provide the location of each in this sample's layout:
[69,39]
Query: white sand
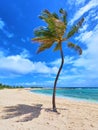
[22,110]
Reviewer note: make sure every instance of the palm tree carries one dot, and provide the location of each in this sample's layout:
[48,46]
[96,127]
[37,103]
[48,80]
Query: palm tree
[55,33]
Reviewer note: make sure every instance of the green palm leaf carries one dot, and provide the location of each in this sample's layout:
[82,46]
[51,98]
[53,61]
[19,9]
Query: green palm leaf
[43,40]
[75,28]
[55,25]
[76,47]
[64,16]
[55,15]
[42,31]
[57,47]
[44,47]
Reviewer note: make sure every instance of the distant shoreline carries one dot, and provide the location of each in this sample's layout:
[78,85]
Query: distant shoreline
[65,87]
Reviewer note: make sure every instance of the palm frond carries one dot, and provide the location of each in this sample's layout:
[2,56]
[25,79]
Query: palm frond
[55,15]
[57,47]
[42,31]
[64,16]
[44,47]
[76,47]
[47,16]
[75,28]
[43,40]
[55,25]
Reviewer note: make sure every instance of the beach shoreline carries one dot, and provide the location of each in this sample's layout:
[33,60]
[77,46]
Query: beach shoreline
[70,97]
[22,110]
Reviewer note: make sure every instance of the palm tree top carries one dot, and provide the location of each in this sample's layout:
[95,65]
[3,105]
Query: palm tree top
[55,31]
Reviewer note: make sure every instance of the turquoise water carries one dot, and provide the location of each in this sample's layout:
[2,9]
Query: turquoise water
[89,94]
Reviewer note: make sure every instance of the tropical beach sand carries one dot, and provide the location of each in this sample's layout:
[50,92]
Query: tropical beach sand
[22,110]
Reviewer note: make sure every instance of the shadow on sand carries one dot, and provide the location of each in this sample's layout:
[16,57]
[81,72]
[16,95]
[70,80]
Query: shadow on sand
[24,112]
[51,110]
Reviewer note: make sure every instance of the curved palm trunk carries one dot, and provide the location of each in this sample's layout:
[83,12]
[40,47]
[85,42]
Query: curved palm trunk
[56,79]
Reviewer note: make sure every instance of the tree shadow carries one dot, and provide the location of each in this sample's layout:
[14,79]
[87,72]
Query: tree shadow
[24,112]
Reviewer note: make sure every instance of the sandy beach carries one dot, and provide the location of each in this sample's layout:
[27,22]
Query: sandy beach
[22,110]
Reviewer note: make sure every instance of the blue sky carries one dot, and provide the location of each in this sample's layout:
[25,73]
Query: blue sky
[19,63]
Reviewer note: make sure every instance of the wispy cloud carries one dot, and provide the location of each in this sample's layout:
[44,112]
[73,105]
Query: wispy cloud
[86,35]
[27,83]
[76,2]
[84,28]
[96,17]
[2,24]
[5,31]
[1,54]
[25,53]
[84,9]
[67,60]
[91,16]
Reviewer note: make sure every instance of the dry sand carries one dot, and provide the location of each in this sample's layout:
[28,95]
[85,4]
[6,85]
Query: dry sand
[22,110]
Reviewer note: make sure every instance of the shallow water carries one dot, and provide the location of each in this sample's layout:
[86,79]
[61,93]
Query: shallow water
[90,94]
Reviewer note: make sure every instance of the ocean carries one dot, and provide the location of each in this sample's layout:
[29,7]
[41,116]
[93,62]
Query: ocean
[87,94]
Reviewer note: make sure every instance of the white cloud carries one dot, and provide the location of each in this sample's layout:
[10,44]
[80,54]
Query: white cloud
[2,24]
[89,59]
[91,16]
[27,83]
[84,27]
[5,31]
[25,53]
[16,64]
[1,54]
[84,9]
[96,17]
[86,35]
[67,60]
[8,34]
[76,2]
[21,65]
[23,40]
